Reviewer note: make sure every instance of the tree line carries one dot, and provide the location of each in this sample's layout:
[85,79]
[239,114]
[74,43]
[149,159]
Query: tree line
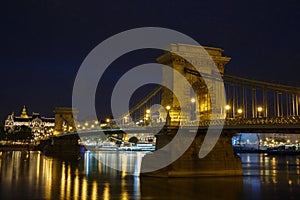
[23,133]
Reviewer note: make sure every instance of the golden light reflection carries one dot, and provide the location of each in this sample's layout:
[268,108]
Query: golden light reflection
[16,164]
[273,161]
[48,173]
[84,189]
[76,185]
[124,165]
[124,194]
[62,181]
[267,160]
[106,195]
[95,190]
[261,159]
[68,183]
[38,167]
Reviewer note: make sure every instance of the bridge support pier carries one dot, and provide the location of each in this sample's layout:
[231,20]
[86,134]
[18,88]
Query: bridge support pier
[221,161]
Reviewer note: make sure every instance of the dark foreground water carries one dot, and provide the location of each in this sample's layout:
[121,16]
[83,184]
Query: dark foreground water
[31,175]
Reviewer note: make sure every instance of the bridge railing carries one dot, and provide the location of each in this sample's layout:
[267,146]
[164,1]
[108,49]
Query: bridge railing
[230,121]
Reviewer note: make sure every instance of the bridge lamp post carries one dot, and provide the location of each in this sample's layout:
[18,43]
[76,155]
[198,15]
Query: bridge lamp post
[227,109]
[168,118]
[259,111]
[240,112]
[193,109]
[147,117]
[107,120]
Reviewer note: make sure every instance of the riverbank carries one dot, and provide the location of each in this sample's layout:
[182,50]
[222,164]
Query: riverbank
[268,151]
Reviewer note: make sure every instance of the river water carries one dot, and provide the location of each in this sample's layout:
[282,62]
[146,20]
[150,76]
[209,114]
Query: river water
[31,175]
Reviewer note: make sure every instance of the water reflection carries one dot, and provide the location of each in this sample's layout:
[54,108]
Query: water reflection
[31,175]
[271,176]
[192,188]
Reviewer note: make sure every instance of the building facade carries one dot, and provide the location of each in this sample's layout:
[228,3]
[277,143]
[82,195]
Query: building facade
[40,126]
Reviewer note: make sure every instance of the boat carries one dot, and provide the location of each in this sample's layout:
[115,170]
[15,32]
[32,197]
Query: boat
[138,147]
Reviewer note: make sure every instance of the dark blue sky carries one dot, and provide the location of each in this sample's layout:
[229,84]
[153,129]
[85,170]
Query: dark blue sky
[43,42]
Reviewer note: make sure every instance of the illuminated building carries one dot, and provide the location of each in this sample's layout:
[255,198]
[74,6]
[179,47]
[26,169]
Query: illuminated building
[39,125]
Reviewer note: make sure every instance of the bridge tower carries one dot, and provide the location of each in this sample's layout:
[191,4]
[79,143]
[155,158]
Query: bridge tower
[64,120]
[221,160]
[181,65]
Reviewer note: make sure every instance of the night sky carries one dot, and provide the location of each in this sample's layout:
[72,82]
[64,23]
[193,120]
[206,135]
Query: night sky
[43,42]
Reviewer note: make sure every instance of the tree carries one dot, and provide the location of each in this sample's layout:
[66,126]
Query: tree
[23,133]
[3,134]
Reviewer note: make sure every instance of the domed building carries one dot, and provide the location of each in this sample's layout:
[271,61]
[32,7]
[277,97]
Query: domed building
[39,125]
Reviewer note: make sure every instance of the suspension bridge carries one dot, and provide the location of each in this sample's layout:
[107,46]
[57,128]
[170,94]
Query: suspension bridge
[249,106]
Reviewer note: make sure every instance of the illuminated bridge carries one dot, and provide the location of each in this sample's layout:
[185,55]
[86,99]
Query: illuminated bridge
[247,105]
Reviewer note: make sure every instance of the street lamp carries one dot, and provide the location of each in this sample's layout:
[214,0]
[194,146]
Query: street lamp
[168,108]
[168,119]
[193,109]
[240,112]
[259,110]
[227,108]
[147,116]
[107,120]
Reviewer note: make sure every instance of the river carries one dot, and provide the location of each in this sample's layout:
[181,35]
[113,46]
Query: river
[32,175]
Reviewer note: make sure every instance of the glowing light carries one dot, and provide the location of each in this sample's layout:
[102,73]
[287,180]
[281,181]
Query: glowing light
[240,111]
[168,107]
[106,192]
[259,109]
[107,120]
[193,100]
[94,190]
[227,107]
[148,111]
